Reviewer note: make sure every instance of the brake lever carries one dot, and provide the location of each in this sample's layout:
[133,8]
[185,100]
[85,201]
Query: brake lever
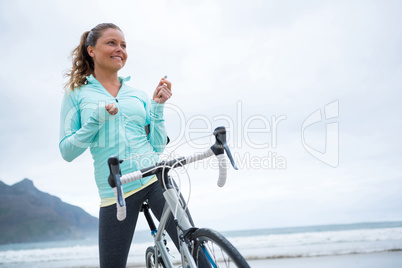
[220,135]
[114,177]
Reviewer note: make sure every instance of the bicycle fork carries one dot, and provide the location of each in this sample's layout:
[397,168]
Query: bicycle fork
[182,222]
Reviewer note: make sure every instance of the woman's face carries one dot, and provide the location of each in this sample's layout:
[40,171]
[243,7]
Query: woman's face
[109,53]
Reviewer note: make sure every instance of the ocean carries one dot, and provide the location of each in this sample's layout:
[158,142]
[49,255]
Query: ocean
[310,241]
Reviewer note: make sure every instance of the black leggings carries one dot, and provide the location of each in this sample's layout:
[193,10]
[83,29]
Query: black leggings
[115,236]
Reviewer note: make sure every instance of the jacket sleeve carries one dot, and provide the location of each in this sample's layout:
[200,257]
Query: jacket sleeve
[158,134]
[74,137]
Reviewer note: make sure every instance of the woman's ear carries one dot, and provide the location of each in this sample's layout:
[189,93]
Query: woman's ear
[90,51]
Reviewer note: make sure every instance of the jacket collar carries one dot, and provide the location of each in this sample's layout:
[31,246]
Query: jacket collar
[92,80]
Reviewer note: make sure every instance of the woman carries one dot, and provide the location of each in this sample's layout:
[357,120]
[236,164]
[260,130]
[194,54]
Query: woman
[101,112]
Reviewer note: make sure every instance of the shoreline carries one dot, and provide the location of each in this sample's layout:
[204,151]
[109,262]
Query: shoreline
[389,259]
[323,255]
[287,248]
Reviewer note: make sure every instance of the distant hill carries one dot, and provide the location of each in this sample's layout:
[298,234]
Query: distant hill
[29,215]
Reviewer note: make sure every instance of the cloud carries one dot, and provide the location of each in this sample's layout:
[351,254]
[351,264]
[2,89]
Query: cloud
[274,58]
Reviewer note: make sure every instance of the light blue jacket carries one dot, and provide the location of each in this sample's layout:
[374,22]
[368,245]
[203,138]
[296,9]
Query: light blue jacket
[84,123]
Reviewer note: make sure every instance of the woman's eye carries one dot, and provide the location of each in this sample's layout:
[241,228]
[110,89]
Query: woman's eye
[111,42]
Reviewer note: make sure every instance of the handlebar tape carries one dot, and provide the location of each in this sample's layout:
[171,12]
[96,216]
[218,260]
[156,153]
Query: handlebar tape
[121,210]
[223,169]
[199,156]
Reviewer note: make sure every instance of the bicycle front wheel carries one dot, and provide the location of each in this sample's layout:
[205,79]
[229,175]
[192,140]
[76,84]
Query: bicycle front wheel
[211,249]
[150,258]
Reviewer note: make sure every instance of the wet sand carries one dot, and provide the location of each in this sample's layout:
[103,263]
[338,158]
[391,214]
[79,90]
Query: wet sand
[388,259]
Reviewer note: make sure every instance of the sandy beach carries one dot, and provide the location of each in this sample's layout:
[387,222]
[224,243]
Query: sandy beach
[389,259]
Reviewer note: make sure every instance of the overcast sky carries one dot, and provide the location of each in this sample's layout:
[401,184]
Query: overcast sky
[310,92]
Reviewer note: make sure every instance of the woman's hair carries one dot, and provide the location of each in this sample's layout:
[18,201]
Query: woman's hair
[83,64]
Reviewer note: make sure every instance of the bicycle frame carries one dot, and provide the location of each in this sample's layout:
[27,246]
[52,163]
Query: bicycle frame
[172,206]
[183,222]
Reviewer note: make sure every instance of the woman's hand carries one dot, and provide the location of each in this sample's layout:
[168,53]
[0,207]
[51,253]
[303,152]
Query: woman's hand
[112,108]
[163,91]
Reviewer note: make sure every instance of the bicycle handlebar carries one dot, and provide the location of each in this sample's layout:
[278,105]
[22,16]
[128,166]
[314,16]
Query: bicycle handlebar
[116,180]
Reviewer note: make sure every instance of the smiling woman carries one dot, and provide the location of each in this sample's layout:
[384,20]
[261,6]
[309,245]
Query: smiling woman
[83,63]
[102,112]
[109,56]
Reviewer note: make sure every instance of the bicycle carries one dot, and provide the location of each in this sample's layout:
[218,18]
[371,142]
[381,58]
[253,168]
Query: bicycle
[197,246]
